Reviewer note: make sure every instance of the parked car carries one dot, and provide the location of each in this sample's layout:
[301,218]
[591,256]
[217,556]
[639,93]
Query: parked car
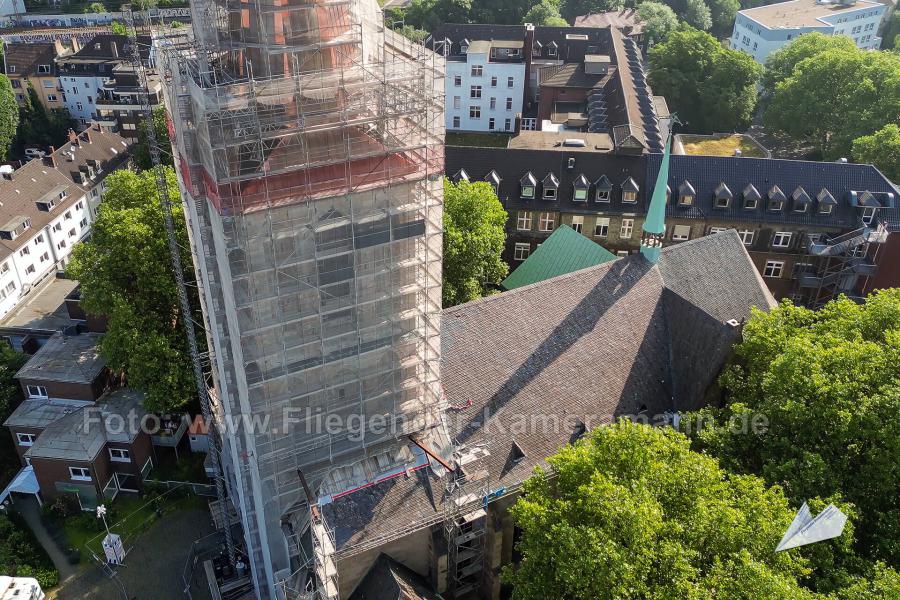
[31,153]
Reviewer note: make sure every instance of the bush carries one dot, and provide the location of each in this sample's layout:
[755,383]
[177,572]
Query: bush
[21,555]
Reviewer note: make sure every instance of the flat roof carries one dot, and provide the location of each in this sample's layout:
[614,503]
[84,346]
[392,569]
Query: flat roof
[66,358]
[38,413]
[801,13]
[550,140]
[44,307]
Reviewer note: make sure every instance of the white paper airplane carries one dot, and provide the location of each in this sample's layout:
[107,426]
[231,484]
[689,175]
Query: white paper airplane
[805,529]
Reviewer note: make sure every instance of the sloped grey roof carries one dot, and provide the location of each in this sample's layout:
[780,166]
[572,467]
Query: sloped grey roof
[522,367]
[66,358]
[387,579]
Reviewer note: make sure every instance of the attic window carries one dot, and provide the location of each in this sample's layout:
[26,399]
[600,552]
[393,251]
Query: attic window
[493,178]
[527,185]
[801,199]
[686,194]
[826,202]
[551,49]
[550,184]
[461,175]
[776,199]
[630,191]
[516,453]
[536,48]
[581,187]
[751,197]
[723,195]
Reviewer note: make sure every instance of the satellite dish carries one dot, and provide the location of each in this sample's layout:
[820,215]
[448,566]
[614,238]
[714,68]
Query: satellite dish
[806,529]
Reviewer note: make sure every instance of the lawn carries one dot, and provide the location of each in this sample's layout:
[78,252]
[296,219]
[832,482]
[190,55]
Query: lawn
[481,140]
[721,146]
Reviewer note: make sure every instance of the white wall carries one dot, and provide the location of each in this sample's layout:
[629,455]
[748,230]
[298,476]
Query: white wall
[502,71]
[82,89]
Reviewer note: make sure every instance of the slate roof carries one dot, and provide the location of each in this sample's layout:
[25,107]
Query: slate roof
[39,413]
[568,49]
[523,367]
[387,579]
[66,358]
[705,173]
[37,178]
[563,252]
[513,163]
[572,75]
[622,19]
[23,59]
[81,434]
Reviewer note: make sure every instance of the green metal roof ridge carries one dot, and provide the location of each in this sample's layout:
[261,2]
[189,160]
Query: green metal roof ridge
[565,251]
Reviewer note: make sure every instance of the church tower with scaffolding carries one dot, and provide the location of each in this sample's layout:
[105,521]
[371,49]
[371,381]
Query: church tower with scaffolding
[308,141]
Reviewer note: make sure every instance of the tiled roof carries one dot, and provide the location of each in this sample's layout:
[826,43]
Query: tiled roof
[572,75]
[387,579]
[23,59]
[66,358]
[627,17]
[522,367]
[37,178]
[706,173]
[565,251]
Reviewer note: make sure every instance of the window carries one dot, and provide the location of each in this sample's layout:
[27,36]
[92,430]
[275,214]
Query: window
[474,112]
[509,104]
[549,192]
[577,223]
[25,251]
[507,124]
[551,50]
[72,232]
[68,215]
[681,233]
[491,123]
[722,202]
[119,455]
[477,70]
[10,287]
[601,229]
[39,239]
[494,81]
[523,220]
[626,229]
[26,439]
[602,195]
[456,102]
[781,239]
[45,256]
[686,200]
[773,268]
[475,91]
[527,191]
[580,194]
[547,222]
[493,103]
[79,474]
[621,253]
[29,269]
[457,80]
[49,84]
[37,391]
[713,230]
[4,268]
[750,203]
[629,196]
[455,122]
[11,68]
[51,98]
[61,245]
[776,205]
[523,249]
[510,82]
[82,222]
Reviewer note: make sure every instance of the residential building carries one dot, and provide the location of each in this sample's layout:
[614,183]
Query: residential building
[313,190]
[20,588]
[34,65]
[121,99]
[560,79]
[625,20]
[603,190]
[762,30]
[48,205]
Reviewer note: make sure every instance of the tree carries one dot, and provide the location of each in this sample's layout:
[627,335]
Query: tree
[881,149]
[781,63]
[711,88]
[118,28]
[576,8]
[631,512]
[722,13]
[891,37]
[863,95]
[474,236]
[95,7]
[826,381]
[696,14]
[125,273]
[658,21]
[545,13]
[40,127]
[140,153]
[10,398]
[9,116]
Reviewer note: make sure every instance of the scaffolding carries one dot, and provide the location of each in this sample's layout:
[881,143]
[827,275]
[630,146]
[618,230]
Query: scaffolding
[833,266]
[308,140]
[465,527]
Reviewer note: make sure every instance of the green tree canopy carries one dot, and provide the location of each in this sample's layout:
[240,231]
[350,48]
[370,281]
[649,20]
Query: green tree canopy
[10,398]
[632,513]
[474,236]
[781,63]
[722,13]
[118,28]
[140,153]
[126,274]
[881,149]
[836,96]
[711,88]
[9,116]
[828,382]
[659,21]
[39,126]
[697,14]
[545,13]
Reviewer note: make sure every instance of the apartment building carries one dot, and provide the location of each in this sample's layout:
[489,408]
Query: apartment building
[762,30]
[597,188]
[34,65]
[120,100]
[48,205]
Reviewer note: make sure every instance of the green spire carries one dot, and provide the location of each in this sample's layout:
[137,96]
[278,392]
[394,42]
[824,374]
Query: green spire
[655,224]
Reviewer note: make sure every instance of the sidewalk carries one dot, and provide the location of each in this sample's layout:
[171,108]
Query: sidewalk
[31,512]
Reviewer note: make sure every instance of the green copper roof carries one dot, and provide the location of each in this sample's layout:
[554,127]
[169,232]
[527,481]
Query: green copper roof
[655,223]
[563,252]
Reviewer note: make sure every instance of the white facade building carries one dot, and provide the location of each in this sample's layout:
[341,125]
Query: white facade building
[763,30]
[485,82]
[48,206]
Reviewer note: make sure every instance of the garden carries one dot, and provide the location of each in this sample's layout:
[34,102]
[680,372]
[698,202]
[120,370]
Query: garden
[21,555]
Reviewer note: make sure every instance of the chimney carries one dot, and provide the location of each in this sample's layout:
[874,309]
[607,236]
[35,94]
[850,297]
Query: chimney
[87,135]
[115,49]
[737,152]
[73,137]
[53,157]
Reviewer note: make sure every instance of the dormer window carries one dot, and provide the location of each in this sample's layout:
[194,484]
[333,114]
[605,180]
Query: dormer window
[580,189]
[686,194]
[461,175]
[550,186]
[604,187]
[552,49]
[527,186]
[776,199]
[722,195]
[630,191]
[464,46]
[536,48]
[493,178]
[14,228]
[801,200]
[826,202]
[751,197]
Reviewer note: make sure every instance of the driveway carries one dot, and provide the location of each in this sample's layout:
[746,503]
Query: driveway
[31,512]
